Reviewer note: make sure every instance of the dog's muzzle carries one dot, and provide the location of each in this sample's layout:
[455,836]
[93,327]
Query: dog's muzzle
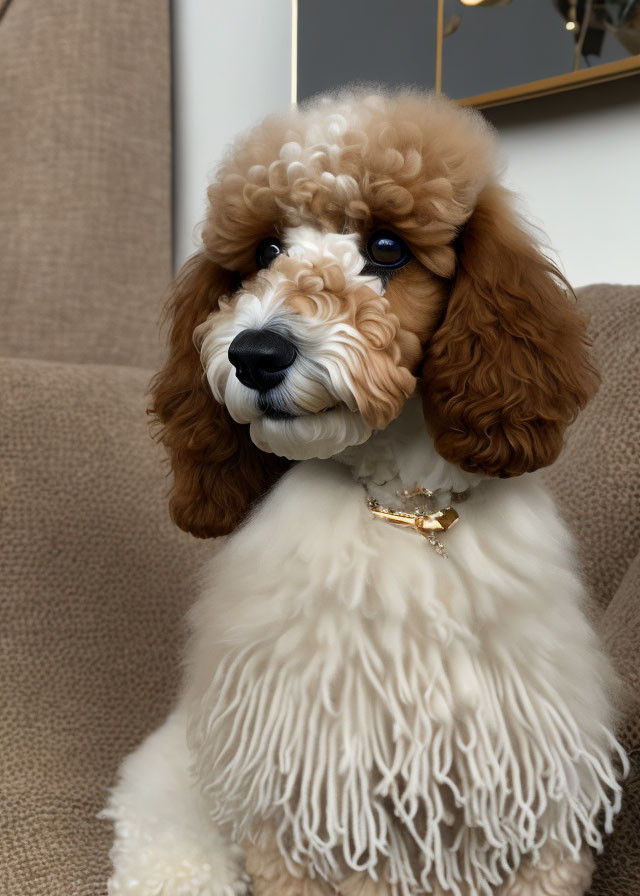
[261,358]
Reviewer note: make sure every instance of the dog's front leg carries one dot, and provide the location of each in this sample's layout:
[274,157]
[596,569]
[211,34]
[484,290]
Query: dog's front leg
[165,842]
[551,876]
[269,873]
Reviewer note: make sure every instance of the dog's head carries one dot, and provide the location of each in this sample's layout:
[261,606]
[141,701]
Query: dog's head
[357,250]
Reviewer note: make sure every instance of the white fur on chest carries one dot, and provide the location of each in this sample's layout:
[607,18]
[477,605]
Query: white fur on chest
[391,710]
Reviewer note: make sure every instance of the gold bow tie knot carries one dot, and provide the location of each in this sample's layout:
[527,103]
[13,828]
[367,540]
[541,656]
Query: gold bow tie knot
[425,523]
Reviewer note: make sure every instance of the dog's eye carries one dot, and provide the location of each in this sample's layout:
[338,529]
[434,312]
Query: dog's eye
[267,251]
[386,250]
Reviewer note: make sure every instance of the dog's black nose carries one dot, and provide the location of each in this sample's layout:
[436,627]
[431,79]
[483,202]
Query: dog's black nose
[261,358]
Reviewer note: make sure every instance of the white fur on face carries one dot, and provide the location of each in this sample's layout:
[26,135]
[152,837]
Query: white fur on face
[319,389]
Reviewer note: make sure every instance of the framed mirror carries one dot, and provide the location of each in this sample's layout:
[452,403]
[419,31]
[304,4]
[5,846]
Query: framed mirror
[498,51]
[479,52]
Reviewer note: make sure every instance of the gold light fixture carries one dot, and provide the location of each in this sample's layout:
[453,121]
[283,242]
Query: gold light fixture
[485,2]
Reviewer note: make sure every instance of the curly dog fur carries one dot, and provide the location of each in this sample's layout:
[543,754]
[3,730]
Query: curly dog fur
[359,714]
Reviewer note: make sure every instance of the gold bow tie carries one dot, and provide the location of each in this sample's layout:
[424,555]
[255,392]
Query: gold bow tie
[425,523]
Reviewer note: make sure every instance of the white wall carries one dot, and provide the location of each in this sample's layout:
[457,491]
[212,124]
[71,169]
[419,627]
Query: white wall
[232,65]
[579,176]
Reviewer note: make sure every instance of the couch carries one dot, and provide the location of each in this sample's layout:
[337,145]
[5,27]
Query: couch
[94,578]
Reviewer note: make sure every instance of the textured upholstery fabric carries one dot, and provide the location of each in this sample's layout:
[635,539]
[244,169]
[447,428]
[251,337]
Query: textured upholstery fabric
[85,192]
[597,480]
[94,580]
[618,869]
[597,477]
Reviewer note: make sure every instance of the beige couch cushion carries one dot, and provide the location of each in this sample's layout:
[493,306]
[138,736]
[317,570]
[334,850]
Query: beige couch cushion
[85,191]
[618,869]
[94,581]
[597,480]
[597,477]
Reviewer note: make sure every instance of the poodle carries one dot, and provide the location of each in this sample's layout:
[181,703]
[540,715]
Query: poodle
[390,684]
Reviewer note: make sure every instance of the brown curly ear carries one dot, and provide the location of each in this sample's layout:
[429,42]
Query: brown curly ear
[509,367]
[217,471]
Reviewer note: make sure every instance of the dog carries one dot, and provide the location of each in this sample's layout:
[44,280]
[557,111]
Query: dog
[390,684]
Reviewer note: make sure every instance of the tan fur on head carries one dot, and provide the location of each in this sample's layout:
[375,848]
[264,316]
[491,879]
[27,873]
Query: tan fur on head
[412,161]
[479,319]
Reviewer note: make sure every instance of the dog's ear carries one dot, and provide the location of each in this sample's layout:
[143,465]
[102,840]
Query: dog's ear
[217,471]
[509,366]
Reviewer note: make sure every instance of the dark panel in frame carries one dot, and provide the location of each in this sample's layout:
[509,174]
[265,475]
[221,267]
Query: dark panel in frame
[341,41]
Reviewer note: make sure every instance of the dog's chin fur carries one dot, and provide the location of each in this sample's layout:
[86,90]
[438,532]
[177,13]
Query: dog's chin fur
[309,436]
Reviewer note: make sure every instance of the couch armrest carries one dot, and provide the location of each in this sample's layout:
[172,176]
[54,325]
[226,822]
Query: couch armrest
[597,477]
[620,631]
[618,868]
